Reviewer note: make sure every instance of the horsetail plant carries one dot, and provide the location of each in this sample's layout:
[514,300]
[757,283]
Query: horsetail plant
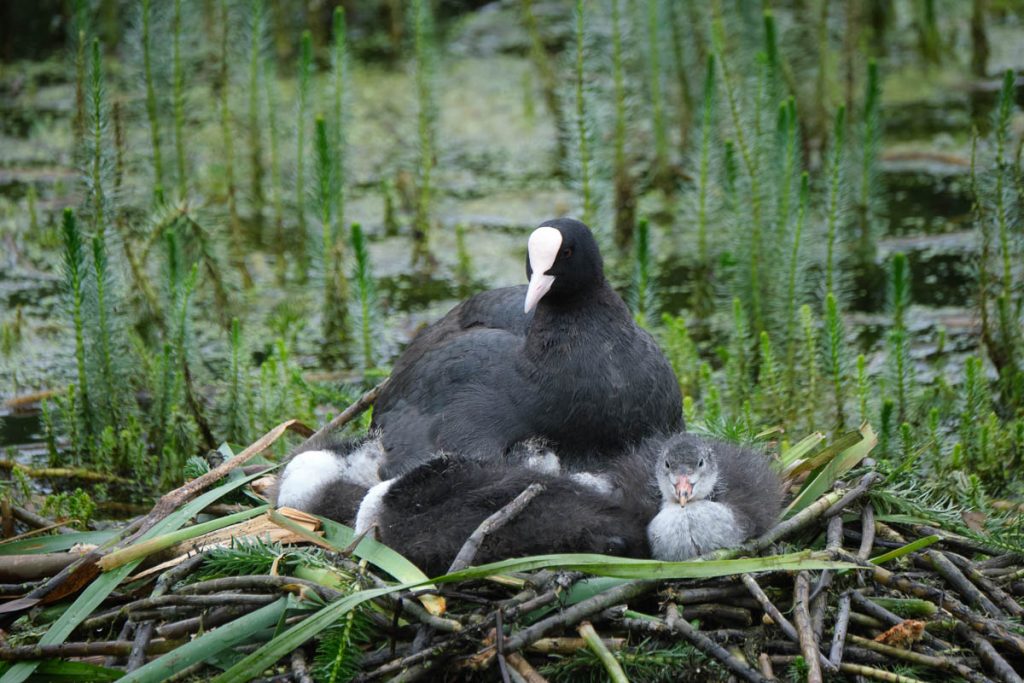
[178,77]
[870,135]
[643,290]
[657,98]
[362,276]
[424,54]
[276,185]
[335,286]
[582,128]
[305,69]
[835,357]
[80,30]
[702,285]
[625,201]
[75,270]
[257,31]
[340,76]
[834,211]
[97,158]
[898,343]
[224,86]
[151,105]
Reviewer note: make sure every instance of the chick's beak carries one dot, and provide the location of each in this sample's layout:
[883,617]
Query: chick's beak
[684,489]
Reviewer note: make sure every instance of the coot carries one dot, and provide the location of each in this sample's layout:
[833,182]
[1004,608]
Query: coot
[714,495]
[560,358]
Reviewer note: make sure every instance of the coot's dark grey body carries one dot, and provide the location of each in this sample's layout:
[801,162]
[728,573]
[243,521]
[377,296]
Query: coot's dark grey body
[714,494]
[576,371]
[429,513]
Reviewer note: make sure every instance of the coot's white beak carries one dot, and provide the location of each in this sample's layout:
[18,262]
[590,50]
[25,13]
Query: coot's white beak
[543,249]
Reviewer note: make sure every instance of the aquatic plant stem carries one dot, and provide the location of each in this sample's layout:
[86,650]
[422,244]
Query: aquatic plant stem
[151,106]
[582,132]
[426,124]
[256,28]
[179,101]
[305,68]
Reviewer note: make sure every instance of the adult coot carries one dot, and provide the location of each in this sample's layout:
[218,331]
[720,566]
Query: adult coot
[560,359]
[714,495]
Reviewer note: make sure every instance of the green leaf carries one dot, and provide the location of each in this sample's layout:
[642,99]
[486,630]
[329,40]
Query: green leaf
[799,450]
[56,543]
[903,550]
[374,552]
[209,644]
[55,671]
[836,467]
[97,591]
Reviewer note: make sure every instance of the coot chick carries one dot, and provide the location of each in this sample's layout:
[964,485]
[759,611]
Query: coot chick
[714,495]
[560,358]
[330,476]
[428,513]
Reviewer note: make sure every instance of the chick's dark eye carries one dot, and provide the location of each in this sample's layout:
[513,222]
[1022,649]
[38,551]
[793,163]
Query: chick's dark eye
[566,252]
[700,463]
[667,466]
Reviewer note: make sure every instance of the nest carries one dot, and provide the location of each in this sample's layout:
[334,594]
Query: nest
[897,601]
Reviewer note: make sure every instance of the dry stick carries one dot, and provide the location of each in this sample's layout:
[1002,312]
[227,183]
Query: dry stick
[204,622]
[875,610]
[38,521]
[492,524]
[983,625]
[953,576]
[259,582]
[1000,561]
[877,674]
[853,494]
[952,539]
[710,647]
[834,540]
[607,659]
[568,645]
[772,611]
[119,648]
[835,655]
[499,641]
[867,531]
[988,655]
[998,594]
[804,627]
[576,613]
[764,663]
[940,663]
[524,668]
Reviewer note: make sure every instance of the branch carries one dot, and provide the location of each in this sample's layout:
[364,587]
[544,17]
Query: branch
[492,524]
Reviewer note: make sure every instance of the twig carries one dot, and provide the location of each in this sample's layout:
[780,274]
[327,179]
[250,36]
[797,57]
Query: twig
[499,641]
[524,668]
[119,648]
[940,663]
[352,412]
[877,674]
[998,594]
[567,646]
[983,625]
[853,494]
[492,524]
[607,659]
[835,654]
[953,576]
[709,647]
[38,521]
[998,666]
[805,629]
[268,582]
[576,613]
[764,663]
[867,526]
[772,611]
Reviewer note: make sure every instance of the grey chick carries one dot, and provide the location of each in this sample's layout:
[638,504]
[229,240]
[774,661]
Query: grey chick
[714,495]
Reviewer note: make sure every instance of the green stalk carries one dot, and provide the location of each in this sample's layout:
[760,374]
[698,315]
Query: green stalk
[98,125]
[642,291]
[33,212]
[226,132]
[179,102]
[657,98]
[78,125]
[863,387]
[277,187]
[305,67]
[74,283]
[236,412]
[110,386]
[625,200]
[426,118]
[834,198]
[899,352]
[335,293]
[363,277]
[685,103]
[738,366]
[701,290]
[869,160]
[835,355]
[151,107]
[340,85]
[810,360]
[583,136]
[792,280]
[1002,168]
[787,132]
[257,20]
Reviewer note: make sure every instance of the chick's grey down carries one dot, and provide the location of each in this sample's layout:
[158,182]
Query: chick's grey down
[560,358]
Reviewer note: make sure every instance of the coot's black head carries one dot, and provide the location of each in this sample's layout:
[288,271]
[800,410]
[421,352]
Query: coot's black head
[562,262]
[687,469]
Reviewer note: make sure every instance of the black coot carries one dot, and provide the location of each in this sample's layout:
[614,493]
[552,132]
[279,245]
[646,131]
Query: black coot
[560,359]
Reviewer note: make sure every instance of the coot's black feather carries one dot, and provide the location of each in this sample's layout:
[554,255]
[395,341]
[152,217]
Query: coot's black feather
[429,513]
[576,371]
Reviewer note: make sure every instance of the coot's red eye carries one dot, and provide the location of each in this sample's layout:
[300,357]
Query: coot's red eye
[567,252]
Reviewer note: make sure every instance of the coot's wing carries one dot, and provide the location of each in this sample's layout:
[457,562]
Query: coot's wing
[459,397]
